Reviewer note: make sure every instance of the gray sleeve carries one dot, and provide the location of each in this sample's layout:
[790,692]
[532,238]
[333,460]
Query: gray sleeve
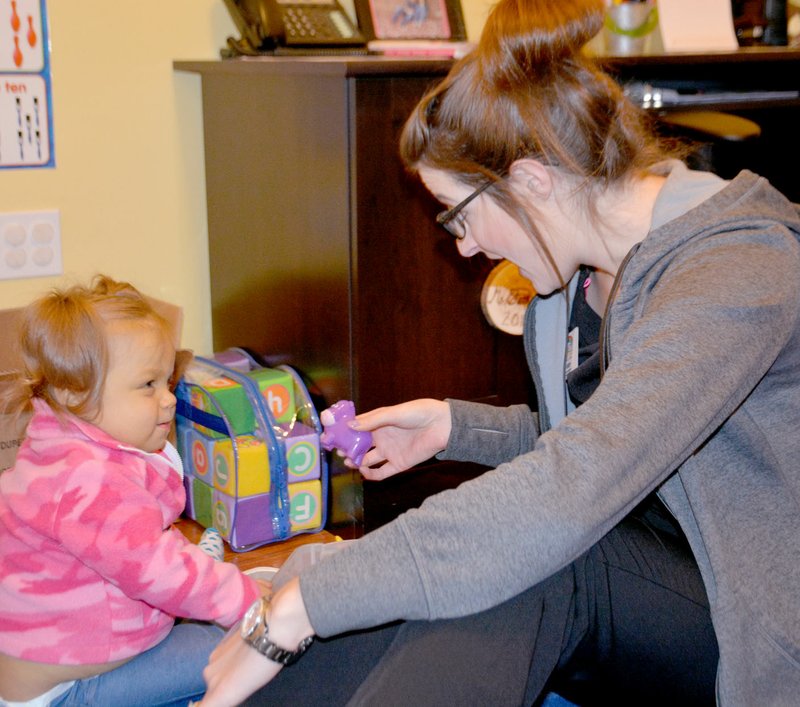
[489,435]
[722,312]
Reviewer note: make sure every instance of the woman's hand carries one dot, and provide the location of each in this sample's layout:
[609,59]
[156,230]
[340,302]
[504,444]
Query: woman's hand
[236,670]
[403,435]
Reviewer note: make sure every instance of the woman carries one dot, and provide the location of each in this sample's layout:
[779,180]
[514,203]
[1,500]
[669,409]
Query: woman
[639,537]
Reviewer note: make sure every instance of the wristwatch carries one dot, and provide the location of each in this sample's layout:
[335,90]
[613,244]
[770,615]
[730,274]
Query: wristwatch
[255,631]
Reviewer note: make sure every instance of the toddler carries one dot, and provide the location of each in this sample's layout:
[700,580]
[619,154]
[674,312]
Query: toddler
[93,573]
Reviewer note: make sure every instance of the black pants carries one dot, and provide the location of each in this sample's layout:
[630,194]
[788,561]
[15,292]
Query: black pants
[625,624]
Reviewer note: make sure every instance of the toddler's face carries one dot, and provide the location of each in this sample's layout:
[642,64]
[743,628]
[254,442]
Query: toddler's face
[138,406]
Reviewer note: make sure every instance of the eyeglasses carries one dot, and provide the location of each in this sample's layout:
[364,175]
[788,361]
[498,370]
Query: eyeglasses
[447,219]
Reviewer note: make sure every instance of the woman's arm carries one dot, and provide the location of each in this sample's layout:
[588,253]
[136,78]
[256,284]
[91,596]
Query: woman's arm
[236,669]
[490,435]
[405,435]
[473,547]
[467,549]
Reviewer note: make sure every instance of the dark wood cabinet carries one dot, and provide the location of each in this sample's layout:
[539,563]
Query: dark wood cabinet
[325,254]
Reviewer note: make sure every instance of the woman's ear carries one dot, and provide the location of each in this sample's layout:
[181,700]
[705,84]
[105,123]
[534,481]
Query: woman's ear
[532,176]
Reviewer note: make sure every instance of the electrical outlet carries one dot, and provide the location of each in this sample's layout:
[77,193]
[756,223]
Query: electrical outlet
[30,244]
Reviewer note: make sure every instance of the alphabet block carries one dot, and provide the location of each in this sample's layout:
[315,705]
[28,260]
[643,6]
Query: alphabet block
[183,438]
[230,397]
[305,502]
[244,522]
[188,509]
[253,470]
[302,452]
[196,451]
[201,500]
[277,387]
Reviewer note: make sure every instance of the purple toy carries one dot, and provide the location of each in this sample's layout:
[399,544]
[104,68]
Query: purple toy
[350,443]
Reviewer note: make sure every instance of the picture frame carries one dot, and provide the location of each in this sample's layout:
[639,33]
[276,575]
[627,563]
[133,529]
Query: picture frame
[440,20]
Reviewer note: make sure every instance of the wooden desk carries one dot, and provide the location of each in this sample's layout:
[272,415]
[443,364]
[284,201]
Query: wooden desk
[273,555]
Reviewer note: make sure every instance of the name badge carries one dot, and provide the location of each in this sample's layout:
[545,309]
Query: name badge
[571,357]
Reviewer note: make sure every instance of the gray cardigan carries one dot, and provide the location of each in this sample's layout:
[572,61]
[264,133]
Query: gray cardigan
[701,402]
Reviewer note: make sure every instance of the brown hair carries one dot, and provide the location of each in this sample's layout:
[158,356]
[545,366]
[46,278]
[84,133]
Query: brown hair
[62,339]
[527,90]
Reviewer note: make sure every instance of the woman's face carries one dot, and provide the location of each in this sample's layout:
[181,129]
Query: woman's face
[491,230]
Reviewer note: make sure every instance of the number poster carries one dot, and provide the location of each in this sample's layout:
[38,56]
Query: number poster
[26,126]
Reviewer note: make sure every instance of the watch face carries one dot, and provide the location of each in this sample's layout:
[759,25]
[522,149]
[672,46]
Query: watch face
[251,619]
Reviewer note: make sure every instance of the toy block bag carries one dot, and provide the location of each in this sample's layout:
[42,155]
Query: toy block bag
[249,440]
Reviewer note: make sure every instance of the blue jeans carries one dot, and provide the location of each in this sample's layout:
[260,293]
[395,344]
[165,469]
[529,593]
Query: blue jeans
[170,674]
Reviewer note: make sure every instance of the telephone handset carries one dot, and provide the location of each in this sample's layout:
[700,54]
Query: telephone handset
[267,26]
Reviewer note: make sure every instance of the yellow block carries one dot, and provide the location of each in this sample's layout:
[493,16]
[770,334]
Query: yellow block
[305,504]
[253,470]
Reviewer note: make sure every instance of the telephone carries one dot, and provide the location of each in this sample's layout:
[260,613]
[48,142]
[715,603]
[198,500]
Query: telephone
[275,26]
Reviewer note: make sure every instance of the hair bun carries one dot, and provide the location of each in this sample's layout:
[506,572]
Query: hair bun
[532,36]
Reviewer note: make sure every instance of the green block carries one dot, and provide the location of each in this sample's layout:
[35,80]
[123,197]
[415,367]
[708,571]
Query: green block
[277,387]
[201,500]
[231,398]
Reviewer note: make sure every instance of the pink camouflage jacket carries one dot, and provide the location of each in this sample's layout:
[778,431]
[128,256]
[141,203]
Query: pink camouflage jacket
[91,570]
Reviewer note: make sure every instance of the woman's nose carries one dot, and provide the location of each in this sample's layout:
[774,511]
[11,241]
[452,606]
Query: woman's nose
[467,247]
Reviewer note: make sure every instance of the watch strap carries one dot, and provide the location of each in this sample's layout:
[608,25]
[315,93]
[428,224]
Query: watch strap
[259,639]
[274,652]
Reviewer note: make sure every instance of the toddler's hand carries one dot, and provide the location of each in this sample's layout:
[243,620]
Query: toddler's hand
[264,587]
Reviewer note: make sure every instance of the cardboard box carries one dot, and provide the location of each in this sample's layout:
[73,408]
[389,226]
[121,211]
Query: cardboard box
[12,431]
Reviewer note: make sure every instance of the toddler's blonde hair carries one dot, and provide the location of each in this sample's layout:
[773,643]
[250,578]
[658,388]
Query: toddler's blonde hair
[63,342]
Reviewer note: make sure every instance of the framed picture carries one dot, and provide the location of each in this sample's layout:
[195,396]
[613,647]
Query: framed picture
[411,19]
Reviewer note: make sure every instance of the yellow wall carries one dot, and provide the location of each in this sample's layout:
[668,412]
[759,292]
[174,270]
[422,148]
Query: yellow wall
[129,180]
